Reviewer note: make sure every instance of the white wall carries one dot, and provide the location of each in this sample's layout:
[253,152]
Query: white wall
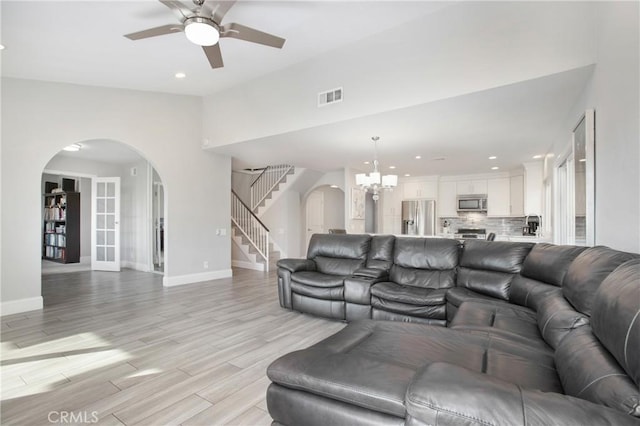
[613,93]
[135,216]
[283,221]
[39,119]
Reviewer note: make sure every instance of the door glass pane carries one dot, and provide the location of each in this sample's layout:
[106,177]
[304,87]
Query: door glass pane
[100,254]
[111,189]
[111,205]
[100,222]
[111,254]
[111,238]
[101,189]
[111,221]
[100,240]
[101,205]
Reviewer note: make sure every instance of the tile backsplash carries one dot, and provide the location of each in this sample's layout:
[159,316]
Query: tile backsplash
[498,225]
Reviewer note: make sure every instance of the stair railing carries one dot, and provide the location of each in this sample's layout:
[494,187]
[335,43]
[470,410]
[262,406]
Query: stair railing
[251,227]
[266,182]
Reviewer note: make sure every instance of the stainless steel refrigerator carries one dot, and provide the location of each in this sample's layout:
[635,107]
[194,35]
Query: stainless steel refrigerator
[419,217]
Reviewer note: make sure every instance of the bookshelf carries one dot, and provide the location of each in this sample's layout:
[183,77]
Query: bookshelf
[61,231]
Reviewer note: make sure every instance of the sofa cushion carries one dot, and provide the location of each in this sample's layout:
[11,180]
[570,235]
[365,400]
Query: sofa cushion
[549,262]
[457,295]
[588,371]
[371,363]
[556,318]
[488,267]
[325,293]
[409,300]
[408,294]
[380,254]
[338,254]
[542,272]
[587,272]
[616,316]
[426,253]
[317,279]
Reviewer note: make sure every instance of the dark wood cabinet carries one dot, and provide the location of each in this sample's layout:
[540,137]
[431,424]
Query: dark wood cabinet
[61,232]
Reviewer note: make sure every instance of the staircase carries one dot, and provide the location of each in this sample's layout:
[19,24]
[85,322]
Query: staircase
[250,235]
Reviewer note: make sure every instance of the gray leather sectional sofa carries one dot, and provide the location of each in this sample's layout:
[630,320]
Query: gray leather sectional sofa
[486,333]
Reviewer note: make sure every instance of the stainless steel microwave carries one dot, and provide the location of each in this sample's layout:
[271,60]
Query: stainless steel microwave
[472,203]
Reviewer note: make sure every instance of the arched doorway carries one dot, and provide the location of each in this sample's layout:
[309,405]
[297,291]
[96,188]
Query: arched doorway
[324,210]
[103,204]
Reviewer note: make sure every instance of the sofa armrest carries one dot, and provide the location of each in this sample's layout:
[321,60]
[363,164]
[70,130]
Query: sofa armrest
[376,273]
[442,393]
[296,265]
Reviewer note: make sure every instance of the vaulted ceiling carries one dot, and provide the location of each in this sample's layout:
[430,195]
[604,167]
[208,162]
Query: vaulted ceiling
[460,80]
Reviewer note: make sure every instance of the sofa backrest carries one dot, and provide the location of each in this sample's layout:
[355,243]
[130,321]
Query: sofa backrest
[542,273]
[488,267]
[338,254]
[381,252]
[425,262]
[586,273]
[601,362]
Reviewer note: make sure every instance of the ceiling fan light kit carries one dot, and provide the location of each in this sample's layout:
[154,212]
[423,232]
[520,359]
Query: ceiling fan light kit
[203,26]
[201,31]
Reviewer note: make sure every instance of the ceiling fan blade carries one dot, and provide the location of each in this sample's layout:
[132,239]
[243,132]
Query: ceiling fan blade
[222,9]
[179,9]
[157,31]
[214,55]
[207,8]
[241,32]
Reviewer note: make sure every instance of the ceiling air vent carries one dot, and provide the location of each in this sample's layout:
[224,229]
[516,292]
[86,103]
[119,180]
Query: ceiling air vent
[330,97]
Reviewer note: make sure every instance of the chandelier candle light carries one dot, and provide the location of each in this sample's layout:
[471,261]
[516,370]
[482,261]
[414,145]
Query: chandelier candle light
[373,181]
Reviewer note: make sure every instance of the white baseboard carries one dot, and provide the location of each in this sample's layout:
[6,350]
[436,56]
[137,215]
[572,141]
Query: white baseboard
[196,278]
[248,265]
[135,265]
[21,305]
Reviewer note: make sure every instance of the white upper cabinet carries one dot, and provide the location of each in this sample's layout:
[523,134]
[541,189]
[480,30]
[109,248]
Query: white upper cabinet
[420,189]
[533,188]
[476,186]
[499,197]
[517,195]
[447,199]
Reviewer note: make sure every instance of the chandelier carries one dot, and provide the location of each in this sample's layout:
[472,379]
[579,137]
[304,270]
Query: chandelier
[373,181]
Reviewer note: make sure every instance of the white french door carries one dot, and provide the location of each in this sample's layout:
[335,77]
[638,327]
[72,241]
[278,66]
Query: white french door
[105,224]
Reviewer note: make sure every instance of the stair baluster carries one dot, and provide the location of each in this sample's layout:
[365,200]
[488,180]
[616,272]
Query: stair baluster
[251,227]
[266,182]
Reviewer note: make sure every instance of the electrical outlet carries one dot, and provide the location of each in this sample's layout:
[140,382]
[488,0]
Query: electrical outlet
[205,264]
[223,231]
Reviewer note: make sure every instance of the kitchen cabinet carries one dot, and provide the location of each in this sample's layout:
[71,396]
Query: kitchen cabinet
[517,195]
[391,211]
[447,199]
[499,197]
[476,186]
[420,189]
[533,188]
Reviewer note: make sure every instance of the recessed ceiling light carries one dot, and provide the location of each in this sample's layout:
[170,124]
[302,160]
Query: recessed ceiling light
[73,147]
[583,160]
[1,46]
[495,168]
[418,157]
[407,175]
[493,157]
[180,75]
[439,159]
[333,186]
[366,162]
[537,157]
[392,167]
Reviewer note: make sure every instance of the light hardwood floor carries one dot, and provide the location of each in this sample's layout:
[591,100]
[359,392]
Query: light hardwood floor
[121,349]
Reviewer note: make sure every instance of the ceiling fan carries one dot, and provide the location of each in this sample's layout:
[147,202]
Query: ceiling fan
[203,26]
